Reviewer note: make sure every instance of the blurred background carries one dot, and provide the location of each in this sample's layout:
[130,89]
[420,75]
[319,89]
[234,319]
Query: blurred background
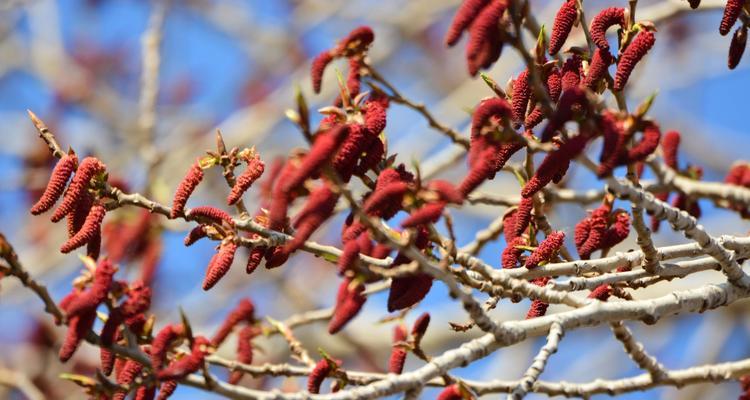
[234,66]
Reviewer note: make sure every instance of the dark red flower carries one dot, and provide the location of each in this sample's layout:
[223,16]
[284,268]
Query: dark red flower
[732,11]
[90,230]
[452,392]
[647,144]
[188,364]
[427,214]
[564,20]
[243,312]
[253,171]
[408,290]
[484,46]
[186,187]
[465,15]
[546,250]
[601,293]
[318,208]
[322,369]
[669,146]
[597,227]
[324,147]
[398,352]
[349,302]
[571,72]
[195,234]
[635,51]
[244,351]
[212,213]
[618,231]
[420,327]
[130,371]
[538,307]
[604,20]
[553,163]
[523,215]
[521,95]
[219,264]
[512,253]
[89,167]
[162,342]
[56,185]
[600,62]
[737,47]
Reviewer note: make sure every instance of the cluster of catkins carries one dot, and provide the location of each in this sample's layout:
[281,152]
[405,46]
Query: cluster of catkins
[487,21]
[670,146]
[81,201]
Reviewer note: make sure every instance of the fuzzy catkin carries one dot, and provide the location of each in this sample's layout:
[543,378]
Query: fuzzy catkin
[89,167]
[254,170]
[56,185]
[564,20]
[465,14]
[90,230]
[635,51]
[186,187]
[604,20]
[219,265]
[349,302]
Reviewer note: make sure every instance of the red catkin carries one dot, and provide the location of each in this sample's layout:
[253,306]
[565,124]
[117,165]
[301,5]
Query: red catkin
[349,255]
[90,299]
[581,232]
[604,20]
[523,215]
[254,259]
[597,229]
[398,352]
[319,64]
[614,147]
[408,290]
[484,45]
[571,72]
[212,213]
[89,167]
[452,392]
[465,14]
[484,113]
[538,307]
[546,250]
[669,146]
[78,327]
[77,216]
[635,51]
[254,170]
[349,302]
[318,208]
[244,351]
[427,214]
[512,253]
[324,146]
[737,47]
[219,265]
[564,20]
[553,163]
[647,144]
[601,293]
[521,95]
[166,389]
[388,196]
[319,373]
[564,111]
[195,234]
[600,62]
[161,343]
[374,117]
[420,327]
[446,191]
[356,42]
[732,11]
[188,364]
[130,371]
[90,230]
[618,231]
[243,312]
[186,187]
[56,185]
